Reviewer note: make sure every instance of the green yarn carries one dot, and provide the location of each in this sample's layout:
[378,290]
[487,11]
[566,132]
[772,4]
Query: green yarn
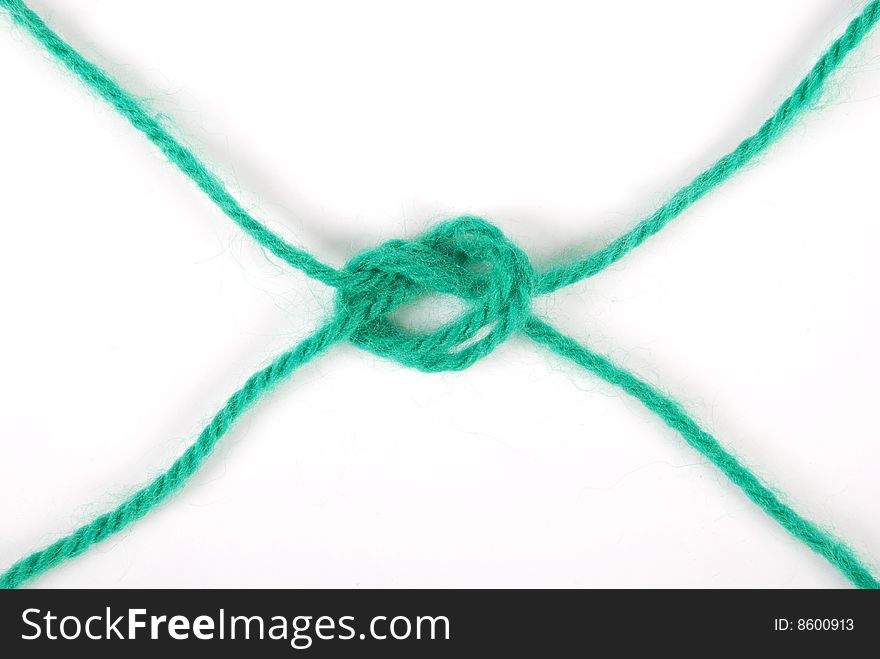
[183,468]
[837,553]
[466,257]
[800,100]
[130,108]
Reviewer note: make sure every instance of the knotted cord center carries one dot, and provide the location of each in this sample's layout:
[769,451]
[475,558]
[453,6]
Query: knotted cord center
[466,257]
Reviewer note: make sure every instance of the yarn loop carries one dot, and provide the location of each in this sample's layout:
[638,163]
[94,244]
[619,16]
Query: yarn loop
[466,257]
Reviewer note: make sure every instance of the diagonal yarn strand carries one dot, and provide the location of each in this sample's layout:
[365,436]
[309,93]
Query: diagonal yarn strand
[800,100]
[150,496]
[836,552]
[129,107]
[466,257]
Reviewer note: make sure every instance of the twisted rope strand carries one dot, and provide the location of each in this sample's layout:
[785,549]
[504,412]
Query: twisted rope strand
[553,279]
[182,157]
[834,551]
[800,100]
[466,257]
[150,496]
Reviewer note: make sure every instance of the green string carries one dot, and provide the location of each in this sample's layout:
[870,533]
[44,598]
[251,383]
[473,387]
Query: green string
[466,257]
[835,551]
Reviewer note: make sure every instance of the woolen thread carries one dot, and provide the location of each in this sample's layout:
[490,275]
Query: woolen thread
[466,257]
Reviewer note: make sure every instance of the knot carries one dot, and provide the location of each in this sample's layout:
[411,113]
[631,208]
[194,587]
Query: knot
[466,257]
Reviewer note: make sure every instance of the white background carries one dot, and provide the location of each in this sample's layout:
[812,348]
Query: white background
[132,307]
